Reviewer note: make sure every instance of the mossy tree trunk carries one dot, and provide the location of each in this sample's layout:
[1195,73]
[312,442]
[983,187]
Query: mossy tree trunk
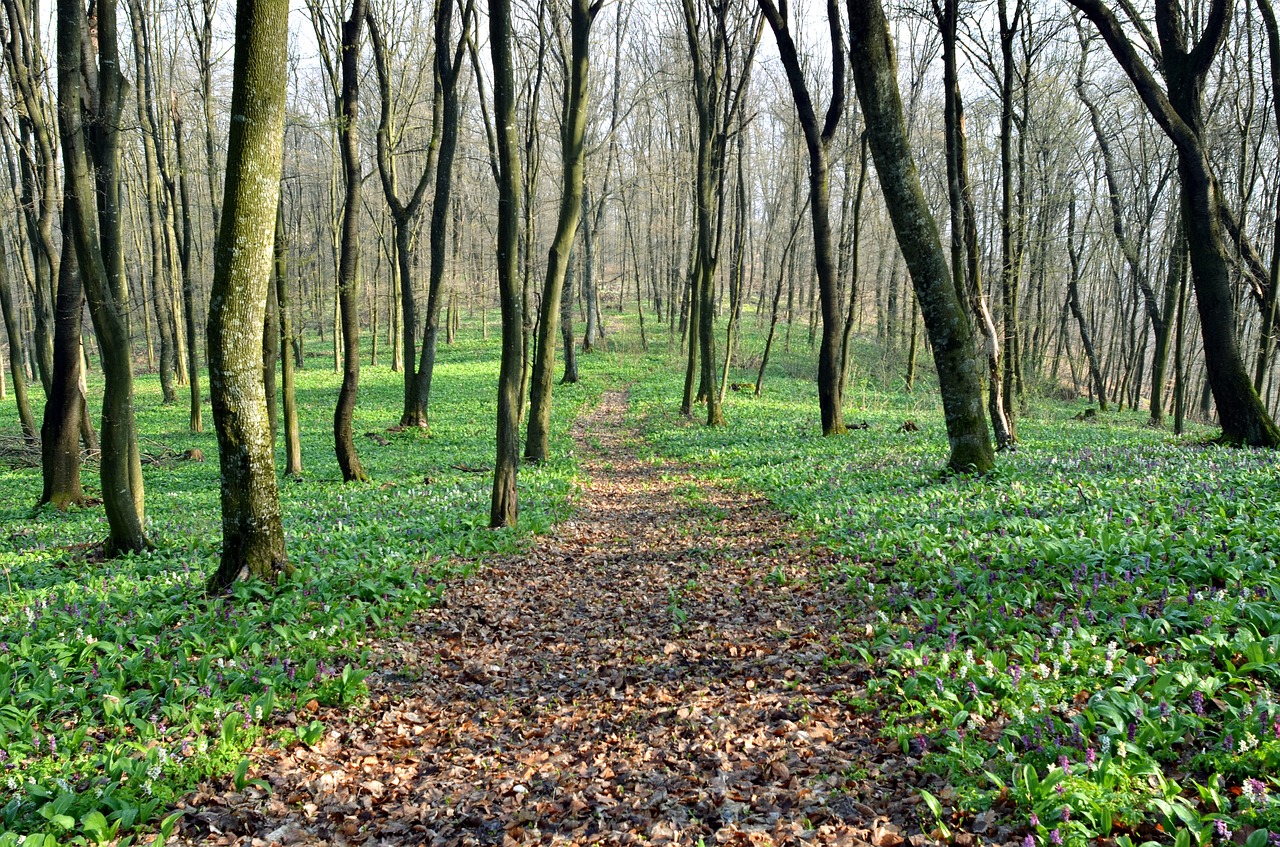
[252,532]
[875,76]
[572,154]
[64,405]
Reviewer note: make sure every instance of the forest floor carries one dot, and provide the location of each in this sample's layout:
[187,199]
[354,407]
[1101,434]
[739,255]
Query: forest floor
[665,667]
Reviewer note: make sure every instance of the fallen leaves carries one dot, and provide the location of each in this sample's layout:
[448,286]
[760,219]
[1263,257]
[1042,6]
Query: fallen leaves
[557,698]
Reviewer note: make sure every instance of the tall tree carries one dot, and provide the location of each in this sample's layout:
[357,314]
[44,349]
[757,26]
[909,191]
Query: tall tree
[16,367]
[818,141]
[573,125]
[1179,110]
[875,76]
[448,69]
[349,258]
[38,164]
[722,44]
[503,509]
[404,213]
[252,531]
[186,238]
[288,395]
[91,92]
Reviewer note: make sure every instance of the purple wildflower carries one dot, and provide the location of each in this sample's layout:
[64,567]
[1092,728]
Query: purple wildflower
[1035,820]
[1090,757]
[1197,702]
[1220,827]
[1055,837]
[1028,842]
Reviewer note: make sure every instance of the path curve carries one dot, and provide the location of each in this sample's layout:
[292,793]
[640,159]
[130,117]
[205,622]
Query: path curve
[661,668]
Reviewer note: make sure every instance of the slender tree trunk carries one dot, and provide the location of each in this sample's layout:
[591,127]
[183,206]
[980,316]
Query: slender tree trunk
[16,370]
[572,153]
[95,137]
[1073,300]
[566,324]
[186,241]
[447,70]
[252,531]
[349,262]
[504,507]
[288,394]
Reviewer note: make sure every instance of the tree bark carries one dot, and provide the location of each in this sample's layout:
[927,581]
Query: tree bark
[292,438]
[17,371]
[344,443]
[185,243]
[572,153]
[504,506]
[874,71]
[60,428]
[252,531]
[89,117]
[818,141]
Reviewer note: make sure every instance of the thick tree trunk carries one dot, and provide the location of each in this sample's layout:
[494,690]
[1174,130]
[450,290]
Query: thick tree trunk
[252,532]
[875,76]
[349,259]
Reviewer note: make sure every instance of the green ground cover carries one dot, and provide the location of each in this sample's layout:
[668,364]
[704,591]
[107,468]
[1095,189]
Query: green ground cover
[122,684]
[1085,642]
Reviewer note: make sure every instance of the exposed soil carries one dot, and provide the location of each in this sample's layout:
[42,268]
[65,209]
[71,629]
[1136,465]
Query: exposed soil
[666,668]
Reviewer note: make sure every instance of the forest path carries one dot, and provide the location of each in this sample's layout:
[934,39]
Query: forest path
[660,668]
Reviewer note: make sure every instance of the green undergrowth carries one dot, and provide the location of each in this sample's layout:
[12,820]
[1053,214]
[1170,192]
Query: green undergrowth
[1085,642]
[122,684]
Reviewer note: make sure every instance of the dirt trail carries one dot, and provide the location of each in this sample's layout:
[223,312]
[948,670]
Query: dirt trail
[660,669]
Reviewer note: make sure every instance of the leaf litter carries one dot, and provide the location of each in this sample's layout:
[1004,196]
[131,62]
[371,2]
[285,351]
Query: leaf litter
[663,668]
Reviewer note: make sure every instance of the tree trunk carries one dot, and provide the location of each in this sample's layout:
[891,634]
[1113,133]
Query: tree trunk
[818,141]
[447,71]
[16,356]
[188,289]
[60,429]
[874,70]
[566,324]
[252,532]
[572,153]
[504,507]
[92,134]
[1179,112]
[1073,300]
[349,260]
